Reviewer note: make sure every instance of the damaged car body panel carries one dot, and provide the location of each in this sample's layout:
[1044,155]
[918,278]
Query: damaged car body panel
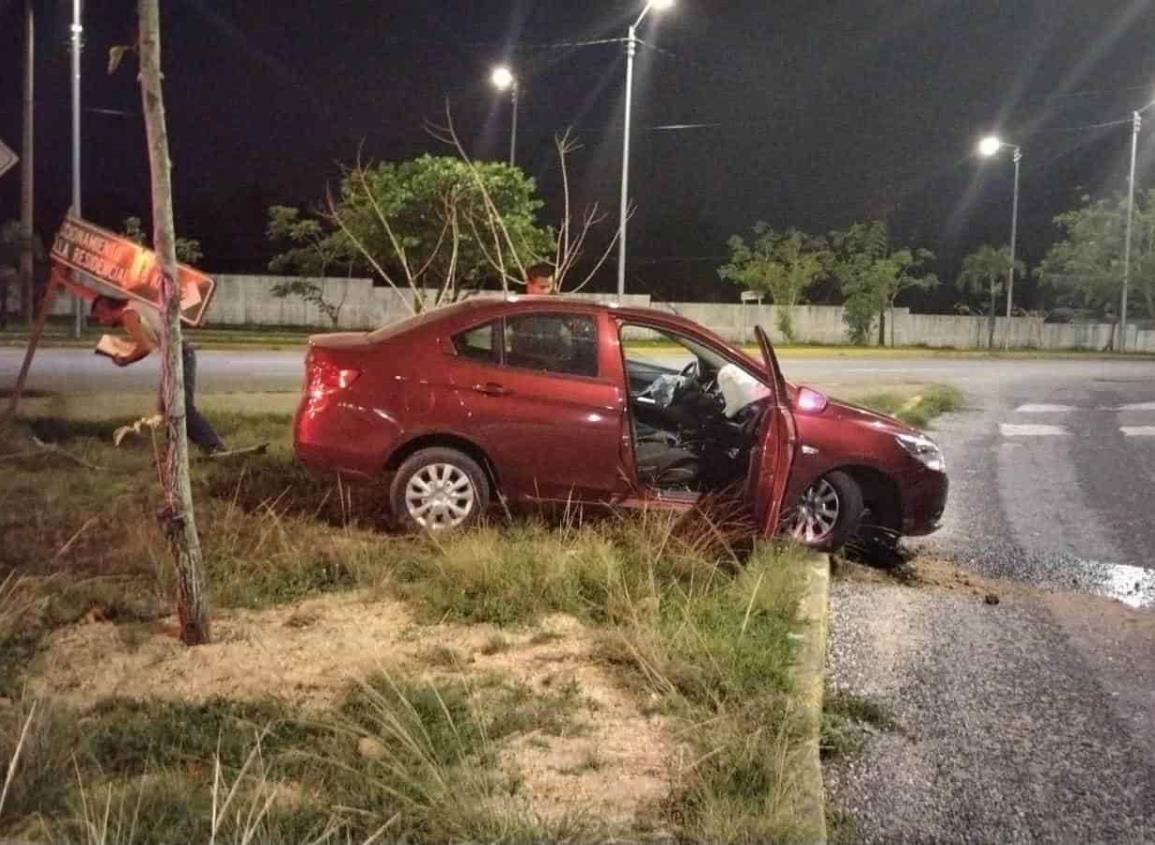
[544,399]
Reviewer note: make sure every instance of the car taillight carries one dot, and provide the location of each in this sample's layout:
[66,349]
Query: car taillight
[326,377]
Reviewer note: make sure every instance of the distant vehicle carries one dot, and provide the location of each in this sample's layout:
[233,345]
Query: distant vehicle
[544,399]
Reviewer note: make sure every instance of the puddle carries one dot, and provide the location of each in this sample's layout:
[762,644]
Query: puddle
[1134,586]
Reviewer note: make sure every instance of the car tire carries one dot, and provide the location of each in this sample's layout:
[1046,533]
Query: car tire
[437,489]
[827,513]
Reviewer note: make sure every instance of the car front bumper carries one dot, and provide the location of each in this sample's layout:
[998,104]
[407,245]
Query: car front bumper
[924,502]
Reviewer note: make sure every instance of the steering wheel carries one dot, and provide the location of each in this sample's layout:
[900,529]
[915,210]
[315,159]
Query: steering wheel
[693,379]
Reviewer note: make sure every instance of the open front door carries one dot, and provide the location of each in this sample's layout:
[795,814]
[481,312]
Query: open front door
[772,460]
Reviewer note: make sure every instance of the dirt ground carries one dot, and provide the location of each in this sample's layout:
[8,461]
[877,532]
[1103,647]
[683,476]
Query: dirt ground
[615,764]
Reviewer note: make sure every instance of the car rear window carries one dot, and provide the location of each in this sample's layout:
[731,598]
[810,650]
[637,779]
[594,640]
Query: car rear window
[477,343]
[566,344]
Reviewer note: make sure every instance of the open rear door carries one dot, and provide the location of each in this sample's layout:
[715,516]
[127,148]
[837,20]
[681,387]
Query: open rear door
[770,468]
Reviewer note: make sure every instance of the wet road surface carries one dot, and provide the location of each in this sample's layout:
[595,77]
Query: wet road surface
[1053,477]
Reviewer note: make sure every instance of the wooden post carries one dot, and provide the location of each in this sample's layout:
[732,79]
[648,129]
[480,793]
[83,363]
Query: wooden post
[176,517]
[33,342]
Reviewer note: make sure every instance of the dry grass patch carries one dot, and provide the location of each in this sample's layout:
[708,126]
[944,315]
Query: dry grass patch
[558,705]
[621,678]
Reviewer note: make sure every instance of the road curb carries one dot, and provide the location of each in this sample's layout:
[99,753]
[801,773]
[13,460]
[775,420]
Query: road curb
[809,682]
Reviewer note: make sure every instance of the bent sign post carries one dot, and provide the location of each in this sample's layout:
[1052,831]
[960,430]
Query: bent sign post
[91,262]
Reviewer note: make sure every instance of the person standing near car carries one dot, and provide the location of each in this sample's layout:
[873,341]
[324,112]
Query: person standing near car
[142,324]
[539,280]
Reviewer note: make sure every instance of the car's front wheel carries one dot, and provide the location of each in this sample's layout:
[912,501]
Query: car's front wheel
[439,488]
[827,513]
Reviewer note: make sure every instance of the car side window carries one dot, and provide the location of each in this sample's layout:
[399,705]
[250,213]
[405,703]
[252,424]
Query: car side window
[566,344]
[477,343]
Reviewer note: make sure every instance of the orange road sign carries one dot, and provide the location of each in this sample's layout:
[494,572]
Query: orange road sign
[107,264]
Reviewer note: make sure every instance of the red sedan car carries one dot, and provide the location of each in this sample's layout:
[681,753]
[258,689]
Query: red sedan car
[544,399]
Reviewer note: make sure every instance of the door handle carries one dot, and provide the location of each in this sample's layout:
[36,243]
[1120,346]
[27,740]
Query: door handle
[491,388]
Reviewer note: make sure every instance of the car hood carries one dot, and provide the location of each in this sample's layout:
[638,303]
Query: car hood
[855,414]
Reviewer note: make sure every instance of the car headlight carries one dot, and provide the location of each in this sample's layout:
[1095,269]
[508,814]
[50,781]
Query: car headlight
[924,450]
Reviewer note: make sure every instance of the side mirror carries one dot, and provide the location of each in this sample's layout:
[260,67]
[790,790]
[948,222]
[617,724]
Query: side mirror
[810,401]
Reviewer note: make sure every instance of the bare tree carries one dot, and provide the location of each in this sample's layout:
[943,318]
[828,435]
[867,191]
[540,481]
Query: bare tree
[438,228]
[571,235]
[176,517]
[571,240]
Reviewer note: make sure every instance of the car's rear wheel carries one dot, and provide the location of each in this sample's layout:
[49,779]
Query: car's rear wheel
[827,513]
[439,488]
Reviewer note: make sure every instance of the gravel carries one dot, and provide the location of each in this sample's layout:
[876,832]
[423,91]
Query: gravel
[1006,731]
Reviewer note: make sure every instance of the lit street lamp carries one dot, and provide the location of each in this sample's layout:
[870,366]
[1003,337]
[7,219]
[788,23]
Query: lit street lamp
[504,80]
[631,51]
[988,147]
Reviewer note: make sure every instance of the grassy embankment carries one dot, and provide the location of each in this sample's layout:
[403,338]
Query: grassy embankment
[916,405]
[521,682]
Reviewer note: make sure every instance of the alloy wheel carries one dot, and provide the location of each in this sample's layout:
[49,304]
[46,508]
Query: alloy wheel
[816,513]
[440,496]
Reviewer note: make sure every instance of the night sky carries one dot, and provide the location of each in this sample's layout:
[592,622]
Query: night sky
[808,114]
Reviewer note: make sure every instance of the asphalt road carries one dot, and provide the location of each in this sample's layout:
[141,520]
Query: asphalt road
[1026,721]
[1052,465]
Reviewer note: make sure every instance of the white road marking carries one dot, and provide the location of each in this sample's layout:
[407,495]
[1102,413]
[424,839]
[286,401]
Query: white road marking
[1043,409]
[1012,430]
[1138,406]
[1138,430]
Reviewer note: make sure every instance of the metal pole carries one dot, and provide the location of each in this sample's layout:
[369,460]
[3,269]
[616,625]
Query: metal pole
[513,129]
[1018,156]
[631,51]
[27,232]
[1136,125]
[77,31]
[33,343]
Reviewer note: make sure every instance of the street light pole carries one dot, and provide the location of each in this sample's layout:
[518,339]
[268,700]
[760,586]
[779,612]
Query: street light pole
[1018,157]
[77,31]
[988,147]
[1136,125]
[503,79]
[513,126]
[624,210]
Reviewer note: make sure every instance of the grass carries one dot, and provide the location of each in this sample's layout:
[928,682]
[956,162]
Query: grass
[699,627]
[717,652]
[846,720]
[414,758]
[918,410]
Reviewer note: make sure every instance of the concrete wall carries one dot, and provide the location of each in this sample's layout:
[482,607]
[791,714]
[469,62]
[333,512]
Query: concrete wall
[249,301]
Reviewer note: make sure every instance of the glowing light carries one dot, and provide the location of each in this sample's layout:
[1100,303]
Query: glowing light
[661,5]
[990,145]
[503,78]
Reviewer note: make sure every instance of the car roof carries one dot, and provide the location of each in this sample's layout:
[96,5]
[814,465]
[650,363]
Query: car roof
[481,307]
